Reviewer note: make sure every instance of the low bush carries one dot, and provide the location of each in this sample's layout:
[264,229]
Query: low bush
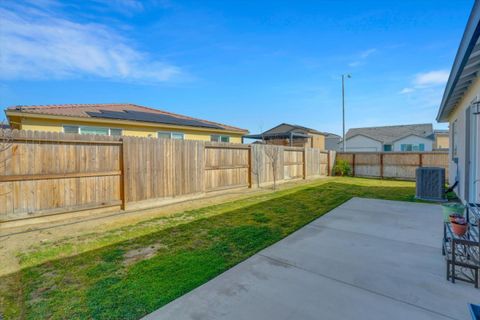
[342,168]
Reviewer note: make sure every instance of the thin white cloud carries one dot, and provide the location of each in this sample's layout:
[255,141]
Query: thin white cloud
[425,80]
[431,78]
[126,7]
[42,43]
[355,63]
[365,54]
[361,57]
[407,90]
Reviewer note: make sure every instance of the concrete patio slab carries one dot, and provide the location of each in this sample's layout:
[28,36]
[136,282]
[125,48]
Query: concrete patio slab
[366,259]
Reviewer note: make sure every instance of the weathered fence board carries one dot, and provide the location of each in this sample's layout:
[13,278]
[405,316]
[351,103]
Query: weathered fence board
[396,165]
[44,173]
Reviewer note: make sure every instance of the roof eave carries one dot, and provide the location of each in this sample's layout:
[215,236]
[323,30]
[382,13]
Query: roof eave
[10,112]
[469,39]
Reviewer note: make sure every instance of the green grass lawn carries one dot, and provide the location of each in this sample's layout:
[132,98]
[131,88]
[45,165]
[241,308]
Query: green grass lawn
[134,276]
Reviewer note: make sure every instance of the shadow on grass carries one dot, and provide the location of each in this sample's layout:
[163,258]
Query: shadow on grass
[132,278]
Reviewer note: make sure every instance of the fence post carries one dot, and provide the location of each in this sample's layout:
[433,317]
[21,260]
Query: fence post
[381,165]
[328,163]
[250,166]
[304,163]
[353,165]
[122,174]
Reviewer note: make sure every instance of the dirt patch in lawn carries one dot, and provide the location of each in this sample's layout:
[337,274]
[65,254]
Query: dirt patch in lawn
[134,255]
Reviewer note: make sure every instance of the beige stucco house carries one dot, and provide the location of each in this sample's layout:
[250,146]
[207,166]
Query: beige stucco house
[442,140]
[460,108]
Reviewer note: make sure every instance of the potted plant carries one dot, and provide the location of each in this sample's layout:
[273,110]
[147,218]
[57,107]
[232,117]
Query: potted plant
[454,216]
[452,208]
[459,226]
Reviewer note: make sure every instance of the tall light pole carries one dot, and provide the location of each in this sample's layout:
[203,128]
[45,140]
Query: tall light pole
[343,108]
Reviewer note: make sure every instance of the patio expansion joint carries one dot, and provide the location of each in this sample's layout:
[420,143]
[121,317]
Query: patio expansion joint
[281,261]
[363,210]
[373,236]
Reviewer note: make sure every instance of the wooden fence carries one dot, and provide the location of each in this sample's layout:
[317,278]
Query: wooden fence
[396,165]
[46,173]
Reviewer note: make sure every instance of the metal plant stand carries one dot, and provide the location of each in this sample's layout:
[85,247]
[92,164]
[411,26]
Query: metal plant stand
[462,253]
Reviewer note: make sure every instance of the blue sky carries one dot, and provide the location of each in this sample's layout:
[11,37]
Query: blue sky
[251,64]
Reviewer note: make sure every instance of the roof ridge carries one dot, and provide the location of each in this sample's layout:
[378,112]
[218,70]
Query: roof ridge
[396,125]
[67,105]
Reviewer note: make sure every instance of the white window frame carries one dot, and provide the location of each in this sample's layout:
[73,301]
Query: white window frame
[79,127]
[220,137]
[415,147]
[170,134]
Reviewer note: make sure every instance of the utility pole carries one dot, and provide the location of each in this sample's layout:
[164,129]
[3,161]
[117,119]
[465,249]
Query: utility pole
[343,108]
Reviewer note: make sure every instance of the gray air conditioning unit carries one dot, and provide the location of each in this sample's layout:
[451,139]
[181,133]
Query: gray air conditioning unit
[430,183]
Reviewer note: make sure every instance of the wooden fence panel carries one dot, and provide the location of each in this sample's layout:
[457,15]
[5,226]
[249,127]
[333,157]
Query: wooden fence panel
[45,173]
[345,156]
[162,168]
[48,172]
[396,165]
[313,162]
[293,163]
[400,165]
[433,159]
[367,165]
[262,158]
[226,166]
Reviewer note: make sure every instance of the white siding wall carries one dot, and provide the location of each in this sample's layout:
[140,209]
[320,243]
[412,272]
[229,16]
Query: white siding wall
[413,139]
[459,115]
[363,144]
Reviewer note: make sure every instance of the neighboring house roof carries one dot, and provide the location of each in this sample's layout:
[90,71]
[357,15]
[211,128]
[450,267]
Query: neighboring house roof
[331,135]
[121,111]
[286,130]
[389,134]
[332,141]
[465,66]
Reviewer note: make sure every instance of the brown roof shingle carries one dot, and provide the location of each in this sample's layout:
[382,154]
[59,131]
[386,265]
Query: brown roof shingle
[85,110]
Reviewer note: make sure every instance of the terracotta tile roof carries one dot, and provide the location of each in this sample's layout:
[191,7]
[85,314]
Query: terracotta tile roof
[85,110]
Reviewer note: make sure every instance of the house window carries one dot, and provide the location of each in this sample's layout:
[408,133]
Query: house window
[163,135]
[219,138]
[115,132]
[93,130]
[177,136]
[387,147]
[70,129]
[170,135]
[412,147]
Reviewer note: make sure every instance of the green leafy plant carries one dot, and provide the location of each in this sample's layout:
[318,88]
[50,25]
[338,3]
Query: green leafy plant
[342,168]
